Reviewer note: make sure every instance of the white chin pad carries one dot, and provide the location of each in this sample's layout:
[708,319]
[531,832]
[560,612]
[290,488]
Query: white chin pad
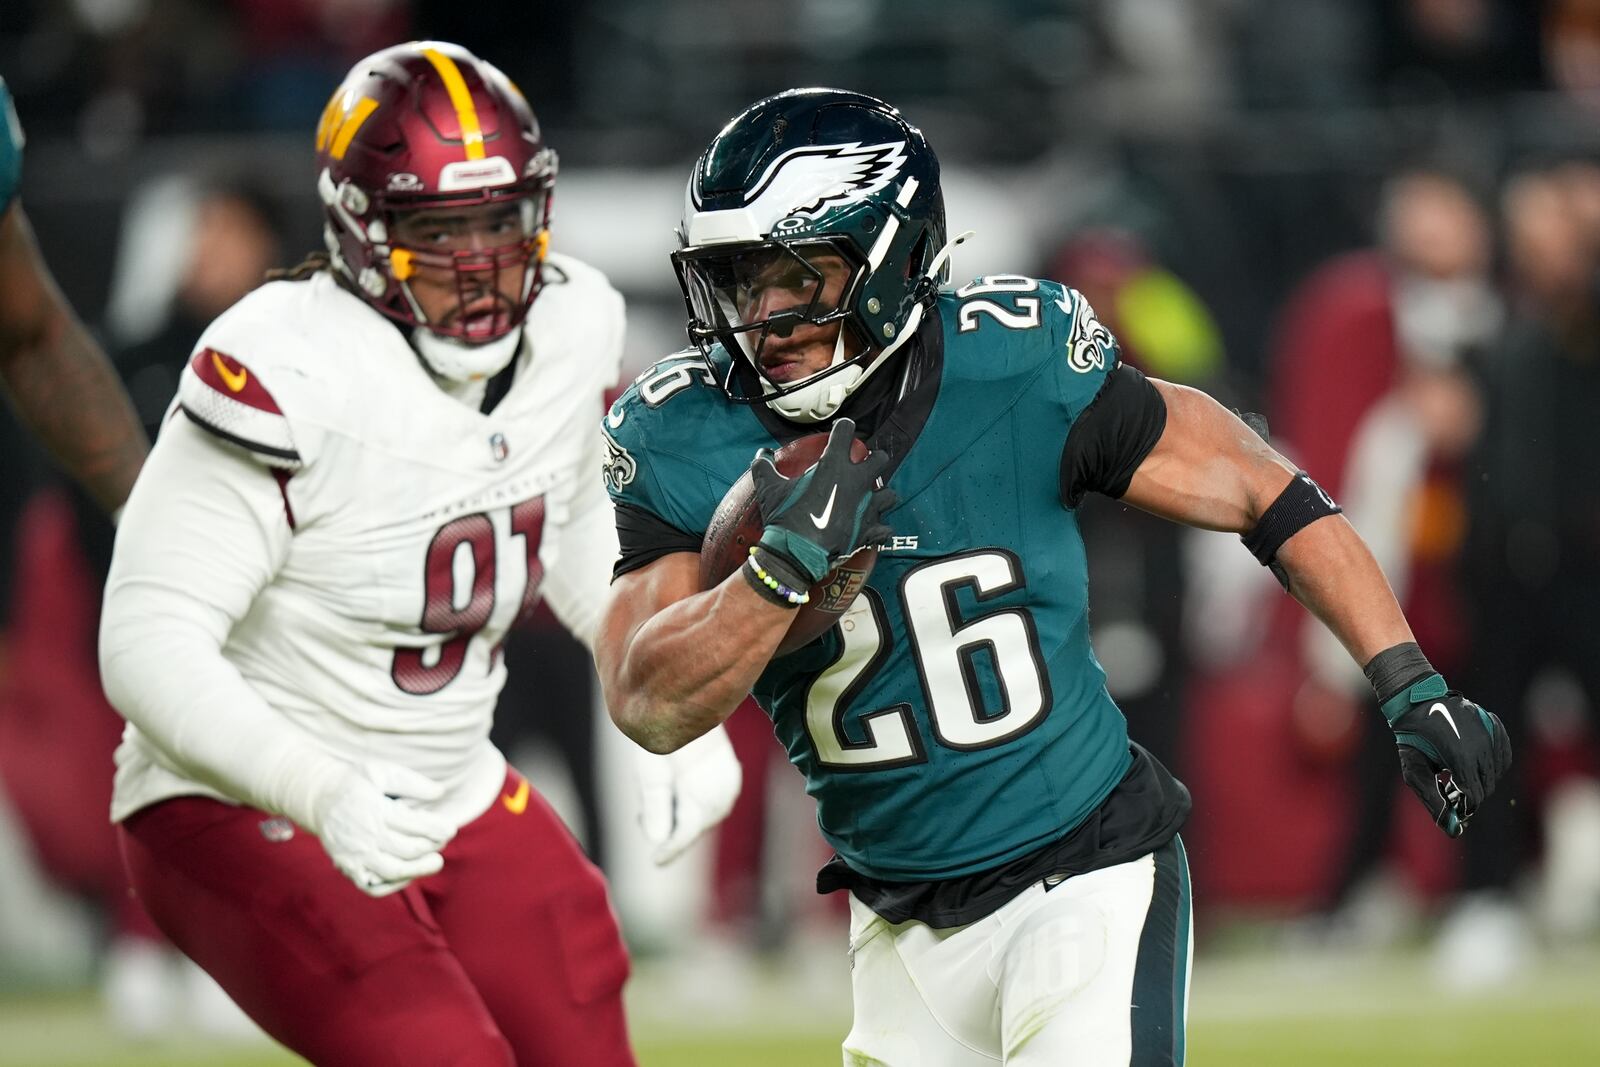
[457,362]
[819,399]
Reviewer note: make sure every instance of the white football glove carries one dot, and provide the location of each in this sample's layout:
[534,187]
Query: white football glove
[685,793]
[368,824]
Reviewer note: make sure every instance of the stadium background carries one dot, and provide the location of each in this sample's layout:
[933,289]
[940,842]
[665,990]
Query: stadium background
[1220,177]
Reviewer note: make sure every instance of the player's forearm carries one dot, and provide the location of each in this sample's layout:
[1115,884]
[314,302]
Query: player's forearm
[58,379]
[65,390]
[1333,573]
[690,665]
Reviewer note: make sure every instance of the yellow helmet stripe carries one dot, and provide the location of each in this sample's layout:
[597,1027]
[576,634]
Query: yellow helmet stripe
[352,122]
[461,99]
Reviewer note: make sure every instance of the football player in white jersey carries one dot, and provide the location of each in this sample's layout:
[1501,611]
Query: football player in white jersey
[372,469]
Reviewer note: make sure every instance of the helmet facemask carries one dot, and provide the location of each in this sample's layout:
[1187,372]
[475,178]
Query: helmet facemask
[772,302]
[486,248]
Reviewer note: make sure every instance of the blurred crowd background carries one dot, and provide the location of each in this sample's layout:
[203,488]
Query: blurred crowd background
[1375,221]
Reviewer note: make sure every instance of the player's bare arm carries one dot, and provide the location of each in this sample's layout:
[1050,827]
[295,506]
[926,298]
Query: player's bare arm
[671,675]
[56,376]
[674,661]
[1211,470]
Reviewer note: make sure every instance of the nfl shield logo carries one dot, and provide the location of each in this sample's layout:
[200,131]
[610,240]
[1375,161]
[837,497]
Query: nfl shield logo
[498,446]
[277,829]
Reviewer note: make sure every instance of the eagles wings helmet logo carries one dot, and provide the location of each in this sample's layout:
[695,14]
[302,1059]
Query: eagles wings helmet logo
[806,181]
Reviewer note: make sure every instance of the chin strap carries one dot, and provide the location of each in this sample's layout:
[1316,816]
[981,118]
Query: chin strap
[931,274]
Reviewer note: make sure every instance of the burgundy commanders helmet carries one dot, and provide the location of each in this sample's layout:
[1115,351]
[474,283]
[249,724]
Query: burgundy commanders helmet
[427,125]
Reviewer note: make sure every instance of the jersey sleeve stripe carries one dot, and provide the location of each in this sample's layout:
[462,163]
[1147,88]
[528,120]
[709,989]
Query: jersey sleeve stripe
[223,397]
[271,451]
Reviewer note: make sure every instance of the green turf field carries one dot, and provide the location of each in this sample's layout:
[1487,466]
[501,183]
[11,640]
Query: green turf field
[1263,1010]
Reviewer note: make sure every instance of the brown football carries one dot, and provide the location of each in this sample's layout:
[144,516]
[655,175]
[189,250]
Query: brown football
[737,524]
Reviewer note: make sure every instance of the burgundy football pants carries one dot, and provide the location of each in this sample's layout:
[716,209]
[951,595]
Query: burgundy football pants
[509,956]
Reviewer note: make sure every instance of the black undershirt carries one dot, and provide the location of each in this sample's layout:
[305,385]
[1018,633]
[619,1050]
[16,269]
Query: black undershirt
[1112,437]
[646,537]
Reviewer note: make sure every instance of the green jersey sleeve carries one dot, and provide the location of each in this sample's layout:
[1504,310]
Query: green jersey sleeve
[10,148]
[1087,351]
[665,469]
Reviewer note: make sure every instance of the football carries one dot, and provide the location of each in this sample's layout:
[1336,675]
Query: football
[737,524]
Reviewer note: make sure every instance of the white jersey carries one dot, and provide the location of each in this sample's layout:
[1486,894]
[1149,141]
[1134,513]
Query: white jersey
[413,529]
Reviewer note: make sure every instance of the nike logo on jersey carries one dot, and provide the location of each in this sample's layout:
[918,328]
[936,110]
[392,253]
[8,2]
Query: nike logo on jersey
[234,380]
[517,802]
[821,521]
[1440,709]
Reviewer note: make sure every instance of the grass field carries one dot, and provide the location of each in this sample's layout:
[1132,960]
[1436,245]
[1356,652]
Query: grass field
[1260,1010]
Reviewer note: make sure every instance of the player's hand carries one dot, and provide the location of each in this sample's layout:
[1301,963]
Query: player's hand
[369,824]
[1452,752]
[816,520]
[685,793]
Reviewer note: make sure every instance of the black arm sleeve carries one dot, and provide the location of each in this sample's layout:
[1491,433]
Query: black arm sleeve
[646,537]
[1112,437]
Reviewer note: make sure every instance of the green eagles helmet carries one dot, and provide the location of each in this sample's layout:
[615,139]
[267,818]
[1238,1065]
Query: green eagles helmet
[789,188]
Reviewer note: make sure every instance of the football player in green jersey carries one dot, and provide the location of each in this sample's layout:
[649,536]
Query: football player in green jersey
[1019,893]
[56,376]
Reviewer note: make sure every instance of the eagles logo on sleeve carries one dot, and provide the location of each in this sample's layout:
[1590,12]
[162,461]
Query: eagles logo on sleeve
[620,467]
[222,396]
[1091,346]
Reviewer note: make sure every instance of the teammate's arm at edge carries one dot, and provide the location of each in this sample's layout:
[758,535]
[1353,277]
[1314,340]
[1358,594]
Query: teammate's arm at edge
[58,379]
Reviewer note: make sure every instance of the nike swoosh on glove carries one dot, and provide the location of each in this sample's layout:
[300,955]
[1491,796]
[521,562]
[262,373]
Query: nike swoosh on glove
[685,793]
[815,520]
[370,825]
[1452,752]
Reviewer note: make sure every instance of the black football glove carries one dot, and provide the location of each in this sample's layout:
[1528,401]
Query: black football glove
[1452,752]
[818,519]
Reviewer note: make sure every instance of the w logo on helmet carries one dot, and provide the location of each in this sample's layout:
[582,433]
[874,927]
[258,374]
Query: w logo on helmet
[805,181]
[341,120]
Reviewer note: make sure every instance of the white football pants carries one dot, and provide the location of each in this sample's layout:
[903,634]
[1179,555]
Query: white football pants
[1090,973]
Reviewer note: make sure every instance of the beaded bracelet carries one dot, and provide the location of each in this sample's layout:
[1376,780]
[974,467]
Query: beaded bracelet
[790,597]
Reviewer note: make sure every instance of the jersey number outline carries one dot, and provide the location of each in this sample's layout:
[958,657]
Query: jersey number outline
[409,669]
[666,380]
[1025,316]
[947,650]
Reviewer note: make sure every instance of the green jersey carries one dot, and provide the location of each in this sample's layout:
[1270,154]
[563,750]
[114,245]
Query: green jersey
[956,718]
[10,148]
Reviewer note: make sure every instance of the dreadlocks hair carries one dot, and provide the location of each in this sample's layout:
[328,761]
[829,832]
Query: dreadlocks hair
[311,264]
